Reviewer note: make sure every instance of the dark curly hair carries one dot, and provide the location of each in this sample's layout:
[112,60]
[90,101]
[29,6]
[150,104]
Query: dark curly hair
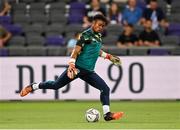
[100,17]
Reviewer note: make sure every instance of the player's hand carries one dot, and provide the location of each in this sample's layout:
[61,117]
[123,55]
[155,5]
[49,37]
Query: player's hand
[72,70]
[115,60]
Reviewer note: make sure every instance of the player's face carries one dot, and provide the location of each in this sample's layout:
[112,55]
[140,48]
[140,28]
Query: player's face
[98,26]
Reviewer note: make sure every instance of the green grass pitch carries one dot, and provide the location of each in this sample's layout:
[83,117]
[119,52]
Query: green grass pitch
[70,115]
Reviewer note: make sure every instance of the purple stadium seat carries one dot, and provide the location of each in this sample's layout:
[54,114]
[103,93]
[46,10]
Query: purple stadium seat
[3,52]
[76,13]
[5,20]
[55,41]
[75,19]
[14,29]
[174,29]
[77,5]
[159,52]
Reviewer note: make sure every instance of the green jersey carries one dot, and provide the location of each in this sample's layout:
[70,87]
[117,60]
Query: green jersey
[91,43]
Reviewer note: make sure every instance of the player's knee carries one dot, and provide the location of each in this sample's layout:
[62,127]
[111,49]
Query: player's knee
[105,90]
[58,85]
[55,86]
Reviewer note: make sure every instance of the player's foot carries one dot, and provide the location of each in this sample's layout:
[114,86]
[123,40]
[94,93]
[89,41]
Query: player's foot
[113,116]
[26,90]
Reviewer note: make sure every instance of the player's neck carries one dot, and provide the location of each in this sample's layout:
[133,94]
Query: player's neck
[94,31]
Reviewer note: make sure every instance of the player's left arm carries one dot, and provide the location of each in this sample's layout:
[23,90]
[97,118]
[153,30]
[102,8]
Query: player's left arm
[114,59]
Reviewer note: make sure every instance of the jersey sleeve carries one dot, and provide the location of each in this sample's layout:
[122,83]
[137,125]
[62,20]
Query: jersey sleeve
[83,40]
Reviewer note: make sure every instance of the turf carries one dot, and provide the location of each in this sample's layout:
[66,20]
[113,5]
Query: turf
[70,114]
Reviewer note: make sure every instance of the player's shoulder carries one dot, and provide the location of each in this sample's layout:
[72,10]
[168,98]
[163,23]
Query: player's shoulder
[85,35]
[86,32]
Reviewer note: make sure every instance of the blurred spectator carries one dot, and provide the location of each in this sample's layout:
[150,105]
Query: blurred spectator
[142,4]
[4,36]
[168,6]
[95,8]
[4,7]
[127,38]
[148,37]
[114,15]
[132,14]
[167,1]
[72,42]
[156,14]
[147,2]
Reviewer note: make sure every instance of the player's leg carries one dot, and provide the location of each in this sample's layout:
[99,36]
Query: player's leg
[61,81]
[96,81]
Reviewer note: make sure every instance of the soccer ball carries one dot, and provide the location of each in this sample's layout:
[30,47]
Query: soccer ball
[92,115]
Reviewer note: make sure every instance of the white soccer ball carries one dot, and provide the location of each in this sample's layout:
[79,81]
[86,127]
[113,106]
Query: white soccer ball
[92,115]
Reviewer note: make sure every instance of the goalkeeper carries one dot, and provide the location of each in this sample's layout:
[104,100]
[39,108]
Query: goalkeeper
[81,65]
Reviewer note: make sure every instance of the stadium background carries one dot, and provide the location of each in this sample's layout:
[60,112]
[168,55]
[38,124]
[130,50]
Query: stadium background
[40,32]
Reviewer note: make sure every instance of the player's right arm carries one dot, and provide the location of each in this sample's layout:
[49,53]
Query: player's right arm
[72,71]
[76,51]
